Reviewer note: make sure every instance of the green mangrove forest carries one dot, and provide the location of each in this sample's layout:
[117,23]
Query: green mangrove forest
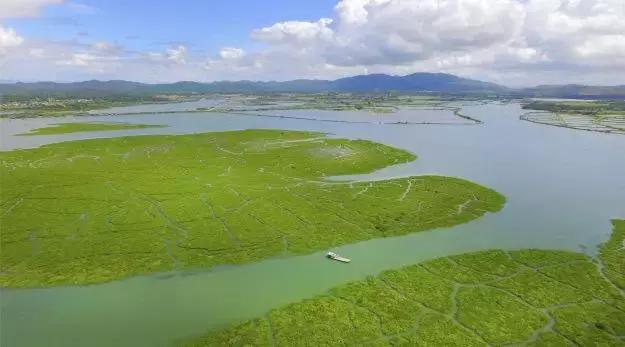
[525,297]
[98,210]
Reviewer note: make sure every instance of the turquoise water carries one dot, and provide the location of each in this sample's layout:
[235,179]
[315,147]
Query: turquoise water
[562,187]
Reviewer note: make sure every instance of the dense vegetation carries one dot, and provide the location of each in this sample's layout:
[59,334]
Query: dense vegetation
[575,91]
[12,106]
[527,297]
[602,116]
[379,103]
[593,108]
[98,210]
[66,128]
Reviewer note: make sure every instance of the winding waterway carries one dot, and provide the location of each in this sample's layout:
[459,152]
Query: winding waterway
[562,186]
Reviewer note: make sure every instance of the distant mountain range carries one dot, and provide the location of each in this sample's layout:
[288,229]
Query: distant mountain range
[577,91]
[436,83]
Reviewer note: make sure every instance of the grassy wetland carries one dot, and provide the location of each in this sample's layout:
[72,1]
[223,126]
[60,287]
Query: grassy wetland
[99,210]
[525,297]
[68,128]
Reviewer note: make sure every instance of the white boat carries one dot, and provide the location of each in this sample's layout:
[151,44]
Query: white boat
[337,257]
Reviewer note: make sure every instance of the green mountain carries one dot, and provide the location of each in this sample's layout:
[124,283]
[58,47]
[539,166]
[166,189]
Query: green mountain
[423,82]
[418,82]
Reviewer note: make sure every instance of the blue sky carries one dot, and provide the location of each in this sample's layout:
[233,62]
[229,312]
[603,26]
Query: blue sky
[511,42]
[145,24]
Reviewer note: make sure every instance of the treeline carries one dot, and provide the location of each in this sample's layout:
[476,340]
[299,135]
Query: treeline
[581,107]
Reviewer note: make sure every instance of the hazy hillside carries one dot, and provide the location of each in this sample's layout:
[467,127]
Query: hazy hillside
[577,91]
[423,82]
[419,82]
[415,83]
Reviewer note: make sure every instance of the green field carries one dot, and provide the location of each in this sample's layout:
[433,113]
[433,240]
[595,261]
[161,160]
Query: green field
[45,107]
[66,128]
[593,108]
[375,103]
[600,116]
[29,106]
[104,209]
[526,297]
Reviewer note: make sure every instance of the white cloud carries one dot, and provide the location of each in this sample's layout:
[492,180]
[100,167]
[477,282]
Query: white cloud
[372,32]
[354,12]
[102,45]
[474,37]
[155,56]
[231,53]
[36,52]
[9,38]
[177,54]
[78,59]
[610,47]
[24,8]
[392,32]
[295,32]
[37,60]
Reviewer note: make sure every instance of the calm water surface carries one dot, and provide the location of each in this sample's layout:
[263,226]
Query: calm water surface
[562,186]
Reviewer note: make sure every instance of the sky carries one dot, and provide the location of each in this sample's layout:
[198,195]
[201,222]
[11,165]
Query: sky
[511,42]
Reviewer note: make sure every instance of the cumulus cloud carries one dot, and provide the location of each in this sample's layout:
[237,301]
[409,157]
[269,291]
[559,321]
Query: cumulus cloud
[295,32]
[393,32]
[475,37]
[9,38]
[387,35]
[231,53]
[177,54]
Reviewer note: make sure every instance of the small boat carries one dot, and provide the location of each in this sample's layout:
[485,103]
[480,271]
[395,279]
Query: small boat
[337,257]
